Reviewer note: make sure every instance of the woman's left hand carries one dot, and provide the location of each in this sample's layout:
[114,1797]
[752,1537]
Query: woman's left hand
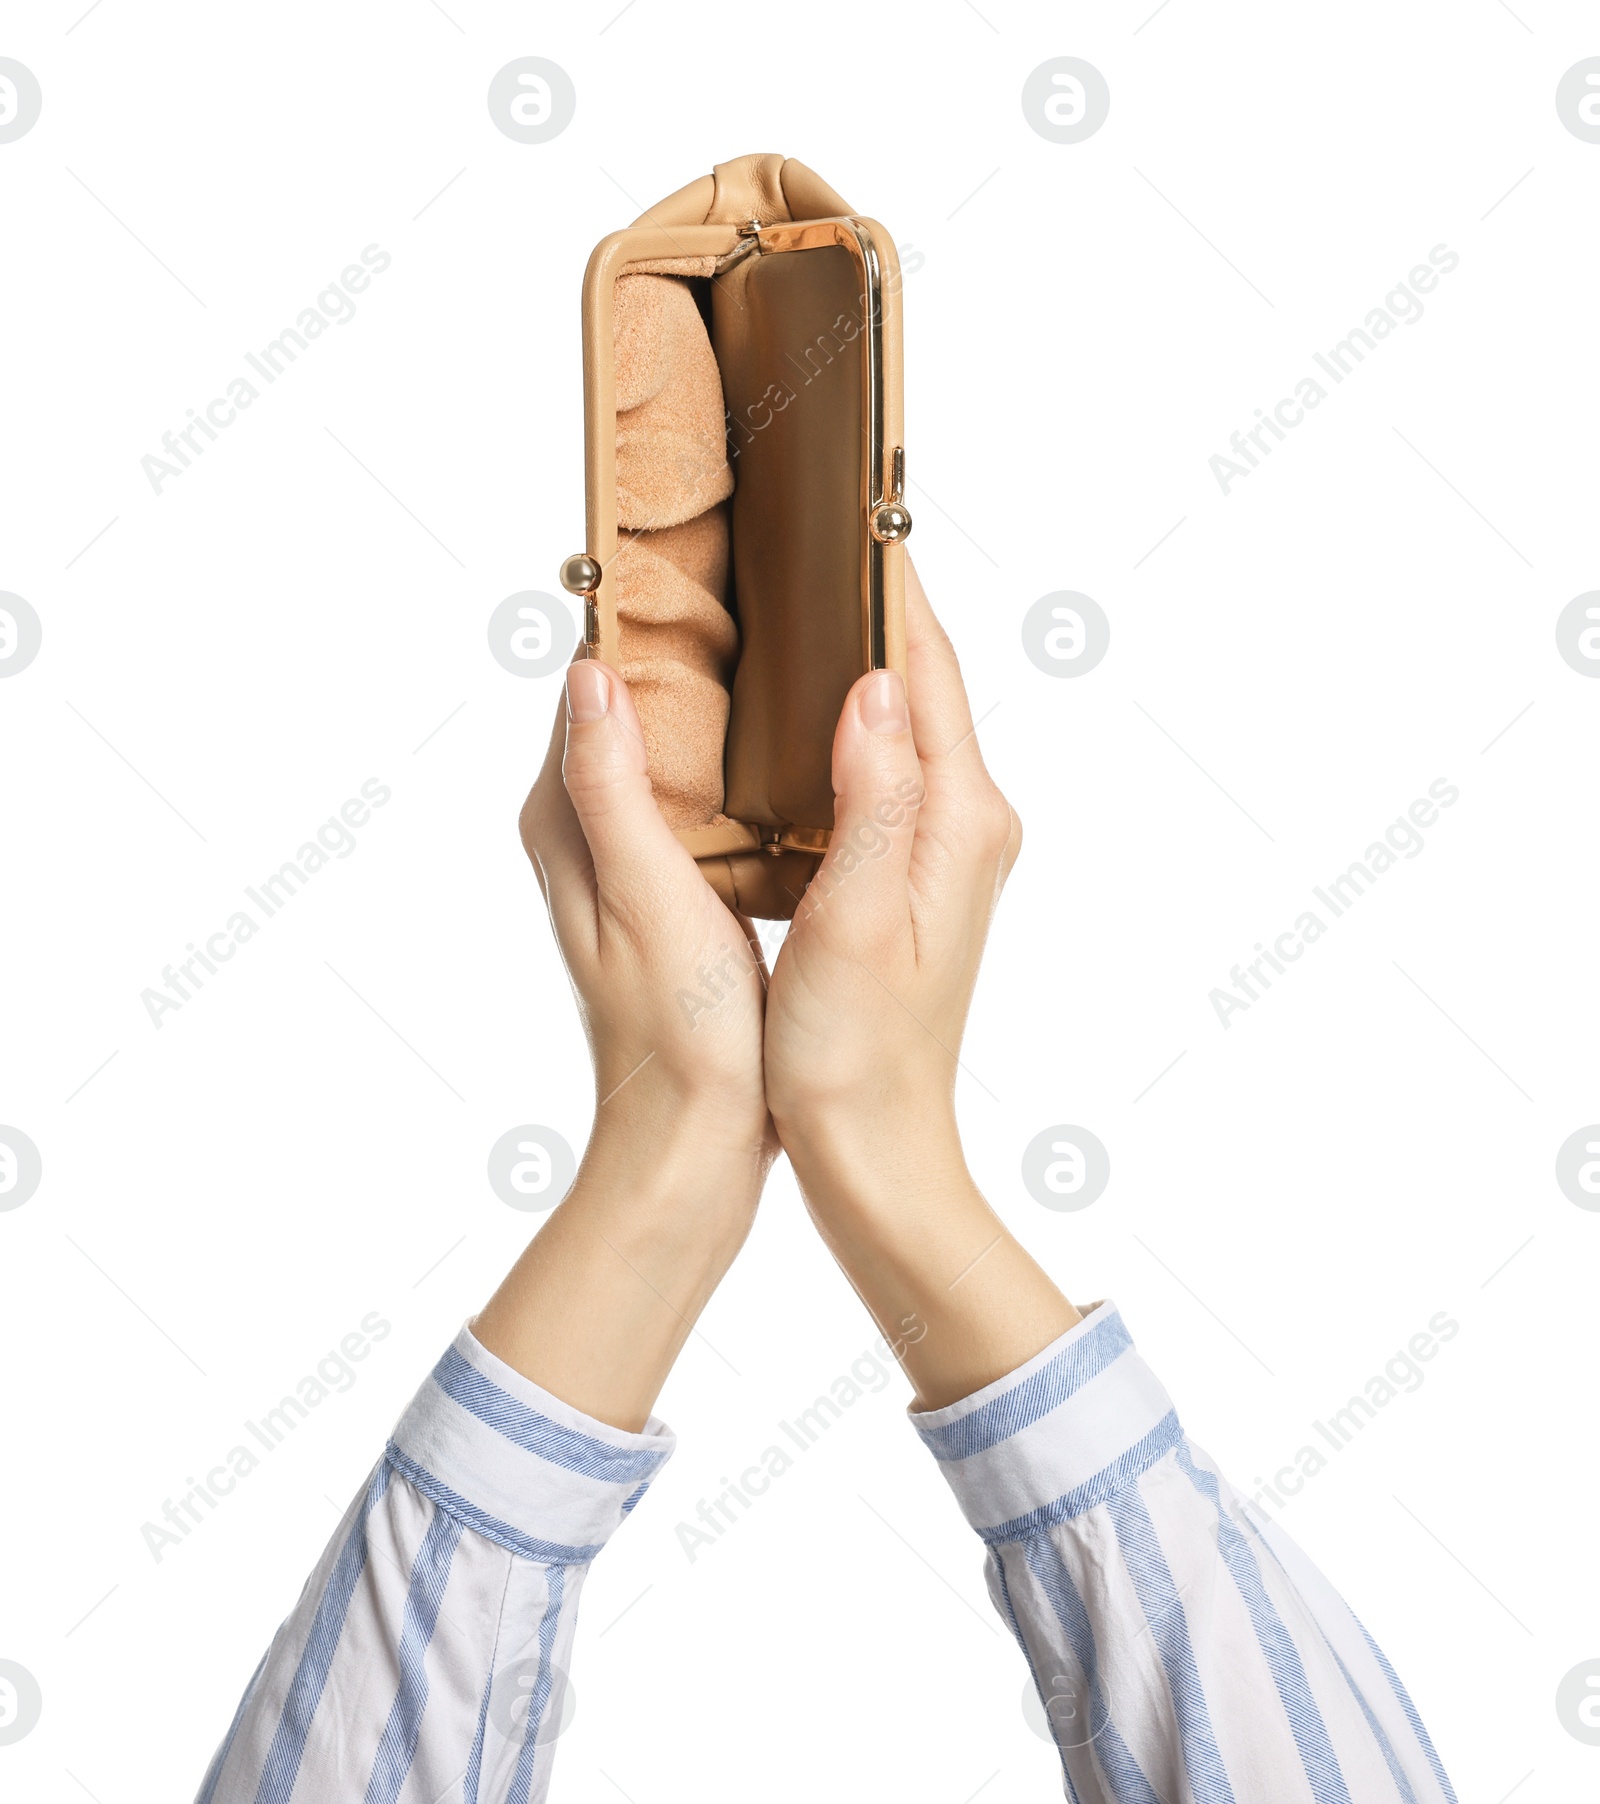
[671,992]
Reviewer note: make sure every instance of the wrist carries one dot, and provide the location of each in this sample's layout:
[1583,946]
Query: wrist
[852,1166]
[682,1176]
[603,1297]
[960,1299]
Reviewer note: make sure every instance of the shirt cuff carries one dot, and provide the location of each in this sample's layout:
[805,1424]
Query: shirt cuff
[518,1465]
[1057,1436]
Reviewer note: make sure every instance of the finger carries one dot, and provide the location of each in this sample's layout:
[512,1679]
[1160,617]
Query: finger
[941,717]
[636,856]
[551,835]
[968,824]
[877,785]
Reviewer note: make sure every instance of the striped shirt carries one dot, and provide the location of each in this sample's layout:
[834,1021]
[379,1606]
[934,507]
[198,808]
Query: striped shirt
[1185,1651]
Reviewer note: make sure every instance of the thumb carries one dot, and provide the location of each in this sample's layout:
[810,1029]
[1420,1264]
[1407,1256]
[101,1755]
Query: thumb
[604,769]
[877,783]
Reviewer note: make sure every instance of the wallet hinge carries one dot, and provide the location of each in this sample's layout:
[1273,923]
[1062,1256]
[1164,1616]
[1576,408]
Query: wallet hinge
[776,840]
[749,242]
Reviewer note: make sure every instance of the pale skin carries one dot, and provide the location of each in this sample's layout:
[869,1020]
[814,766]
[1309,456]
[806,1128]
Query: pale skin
[845,1057]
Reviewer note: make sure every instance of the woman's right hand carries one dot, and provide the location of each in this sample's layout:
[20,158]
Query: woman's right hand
[865,1012]
[869,998]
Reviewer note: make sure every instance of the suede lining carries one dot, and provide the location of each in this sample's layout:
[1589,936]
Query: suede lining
[678,639]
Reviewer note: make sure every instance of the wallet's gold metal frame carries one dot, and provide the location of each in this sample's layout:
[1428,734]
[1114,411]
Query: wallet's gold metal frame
[887,520]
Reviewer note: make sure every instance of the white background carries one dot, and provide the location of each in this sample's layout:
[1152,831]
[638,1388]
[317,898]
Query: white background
[1288,1205]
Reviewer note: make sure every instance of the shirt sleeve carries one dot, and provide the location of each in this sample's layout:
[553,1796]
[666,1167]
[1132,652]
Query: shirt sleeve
[427,1656]
[1182,1645]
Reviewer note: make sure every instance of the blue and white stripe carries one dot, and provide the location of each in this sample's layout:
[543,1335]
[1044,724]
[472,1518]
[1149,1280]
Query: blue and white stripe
[1186,1651]
[1183,1649]
[524,1459]
[1057,1436]
[425,1662]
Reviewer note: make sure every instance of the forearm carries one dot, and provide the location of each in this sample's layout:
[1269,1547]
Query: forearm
[602,1300]
[901,1214]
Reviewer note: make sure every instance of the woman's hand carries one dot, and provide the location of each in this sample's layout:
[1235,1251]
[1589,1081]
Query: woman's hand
[869,998]
[865,1013]
[670,988]
[669,983]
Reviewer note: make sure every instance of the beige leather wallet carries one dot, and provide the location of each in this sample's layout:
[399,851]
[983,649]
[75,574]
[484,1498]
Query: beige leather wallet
[744,559]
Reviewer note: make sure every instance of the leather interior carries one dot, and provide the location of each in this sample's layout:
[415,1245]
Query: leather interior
[793,390]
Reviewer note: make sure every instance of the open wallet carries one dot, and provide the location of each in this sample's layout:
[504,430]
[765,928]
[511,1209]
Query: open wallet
[746,515]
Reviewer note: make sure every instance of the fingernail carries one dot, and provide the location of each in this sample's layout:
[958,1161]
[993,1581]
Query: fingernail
[883,704]
[588,692]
